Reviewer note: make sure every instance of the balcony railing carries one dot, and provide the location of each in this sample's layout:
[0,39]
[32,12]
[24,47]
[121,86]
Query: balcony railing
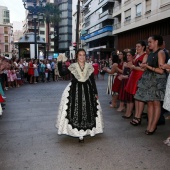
[86,12]
[32,27]
[116,26]
[108,12]
[87,23]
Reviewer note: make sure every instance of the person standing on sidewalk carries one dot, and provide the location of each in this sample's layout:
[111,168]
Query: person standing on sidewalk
[79,111]
[53,69]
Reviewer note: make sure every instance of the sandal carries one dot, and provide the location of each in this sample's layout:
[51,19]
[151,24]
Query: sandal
[136,121]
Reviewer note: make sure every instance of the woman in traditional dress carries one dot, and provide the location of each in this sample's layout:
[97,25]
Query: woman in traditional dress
[136,74]
[79,112]
[152,85]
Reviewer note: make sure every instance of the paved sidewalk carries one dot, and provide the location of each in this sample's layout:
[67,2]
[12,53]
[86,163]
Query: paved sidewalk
[29,140]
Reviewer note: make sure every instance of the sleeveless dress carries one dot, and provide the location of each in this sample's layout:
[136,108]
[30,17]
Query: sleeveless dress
[134,77]
[123,95]
[79,113]
[117,82]
[151,87]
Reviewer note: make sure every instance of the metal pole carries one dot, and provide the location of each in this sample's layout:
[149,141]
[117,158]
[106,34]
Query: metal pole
[77,25]
[35,38]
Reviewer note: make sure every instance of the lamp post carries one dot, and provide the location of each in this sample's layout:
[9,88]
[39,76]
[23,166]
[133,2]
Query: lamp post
[77,25]
[35,10]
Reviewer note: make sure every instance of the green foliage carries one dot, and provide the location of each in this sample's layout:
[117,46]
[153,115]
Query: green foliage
[51,13]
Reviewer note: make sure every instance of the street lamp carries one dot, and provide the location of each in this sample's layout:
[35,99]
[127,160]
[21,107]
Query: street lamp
[35,10]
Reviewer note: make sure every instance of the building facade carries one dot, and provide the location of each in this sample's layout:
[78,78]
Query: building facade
[97,27]
[41,27]
[6,29]
[137,20]
[64,27]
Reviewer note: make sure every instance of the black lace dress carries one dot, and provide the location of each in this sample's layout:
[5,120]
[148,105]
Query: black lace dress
[79,112]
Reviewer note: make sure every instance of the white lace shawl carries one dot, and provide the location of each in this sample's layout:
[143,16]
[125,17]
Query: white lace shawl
[81,76]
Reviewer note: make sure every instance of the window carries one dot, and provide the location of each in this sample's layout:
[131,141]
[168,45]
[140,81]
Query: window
[42,32]
[138,10]
[128,15]
[6,48]
[148,5]
[5,30]
[6,39]
[6,14]
[63,45]
[64,14]
[63,6]
[63,30]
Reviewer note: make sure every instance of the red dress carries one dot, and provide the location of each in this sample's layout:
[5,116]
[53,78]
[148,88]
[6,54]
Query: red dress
[96,68]
[123,95]
[1,99]
[30,69]
[117,82]
[135,75]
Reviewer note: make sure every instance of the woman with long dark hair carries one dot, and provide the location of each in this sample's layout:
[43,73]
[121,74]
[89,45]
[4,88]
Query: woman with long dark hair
[136,74]
[125,97]
[79,112]
[152,85]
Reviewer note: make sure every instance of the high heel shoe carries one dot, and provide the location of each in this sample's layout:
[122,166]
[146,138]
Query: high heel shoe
[147,132]
[136,121]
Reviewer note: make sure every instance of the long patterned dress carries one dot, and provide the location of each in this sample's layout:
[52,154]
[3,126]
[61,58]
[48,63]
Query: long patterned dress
[79,111]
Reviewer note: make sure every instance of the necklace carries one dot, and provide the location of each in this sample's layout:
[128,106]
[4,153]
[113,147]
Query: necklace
[81,68]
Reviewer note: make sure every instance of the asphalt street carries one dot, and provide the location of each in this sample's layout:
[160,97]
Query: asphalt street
[29,139]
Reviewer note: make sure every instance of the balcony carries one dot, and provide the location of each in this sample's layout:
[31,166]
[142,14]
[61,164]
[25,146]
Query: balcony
[86,12]
[116,26]
[107,30]
[127,2]
[32,27]
[87,23]
[116,10]
[106,13]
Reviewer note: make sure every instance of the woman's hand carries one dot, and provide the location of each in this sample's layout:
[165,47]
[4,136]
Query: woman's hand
[165,66]
[120,77]
[144,66]
[96,96]
[105,69]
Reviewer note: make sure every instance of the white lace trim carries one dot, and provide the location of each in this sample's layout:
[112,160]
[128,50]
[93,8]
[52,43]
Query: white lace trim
[65,128]
[81,76]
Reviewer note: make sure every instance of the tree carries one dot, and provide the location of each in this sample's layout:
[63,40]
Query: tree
[51,16]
